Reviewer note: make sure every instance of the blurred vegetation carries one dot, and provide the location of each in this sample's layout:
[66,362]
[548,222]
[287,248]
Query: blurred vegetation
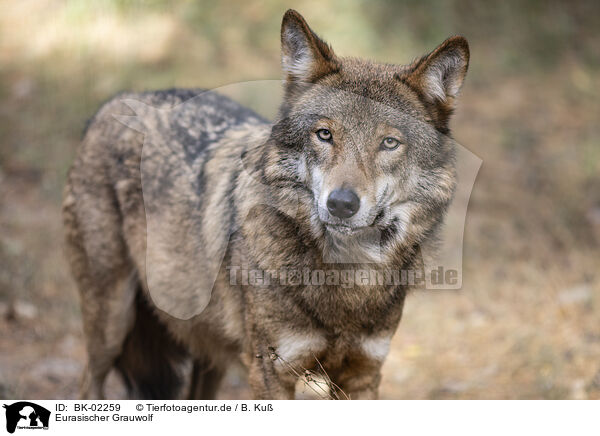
[529,109]
[60,59]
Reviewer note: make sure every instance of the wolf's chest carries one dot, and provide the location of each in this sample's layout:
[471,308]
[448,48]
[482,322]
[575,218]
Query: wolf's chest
[309,350]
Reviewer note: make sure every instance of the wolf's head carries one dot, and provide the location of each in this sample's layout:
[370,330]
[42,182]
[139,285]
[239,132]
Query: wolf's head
[369,141]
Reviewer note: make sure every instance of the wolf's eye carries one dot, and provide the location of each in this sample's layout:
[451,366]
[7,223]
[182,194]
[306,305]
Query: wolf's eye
[324,135]
[390,144]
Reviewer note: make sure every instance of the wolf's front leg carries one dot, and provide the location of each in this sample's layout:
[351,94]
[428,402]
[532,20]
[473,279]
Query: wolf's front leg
[359,378]
[359,386]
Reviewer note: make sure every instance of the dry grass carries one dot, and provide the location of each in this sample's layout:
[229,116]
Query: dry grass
[525,325]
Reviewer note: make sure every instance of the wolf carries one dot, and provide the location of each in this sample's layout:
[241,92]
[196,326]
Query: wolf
[356,170]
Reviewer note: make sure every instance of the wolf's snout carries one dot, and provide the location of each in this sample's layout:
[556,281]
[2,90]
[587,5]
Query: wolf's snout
[343,203]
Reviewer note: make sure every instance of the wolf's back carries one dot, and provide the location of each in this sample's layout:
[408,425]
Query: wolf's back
[188,120]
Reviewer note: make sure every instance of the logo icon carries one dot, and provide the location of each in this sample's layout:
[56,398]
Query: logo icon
[26,415]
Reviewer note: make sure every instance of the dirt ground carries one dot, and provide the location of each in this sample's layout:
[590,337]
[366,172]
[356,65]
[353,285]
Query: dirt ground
[526,323]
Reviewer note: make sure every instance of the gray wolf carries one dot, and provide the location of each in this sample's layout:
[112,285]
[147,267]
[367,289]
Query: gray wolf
[359,151]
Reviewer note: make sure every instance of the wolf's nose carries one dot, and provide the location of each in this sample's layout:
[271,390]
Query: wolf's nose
[343,203]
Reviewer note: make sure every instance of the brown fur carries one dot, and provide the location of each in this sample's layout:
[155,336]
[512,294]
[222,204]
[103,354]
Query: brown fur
[156,218]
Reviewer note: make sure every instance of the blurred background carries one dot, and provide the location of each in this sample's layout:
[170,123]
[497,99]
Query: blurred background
[526,323]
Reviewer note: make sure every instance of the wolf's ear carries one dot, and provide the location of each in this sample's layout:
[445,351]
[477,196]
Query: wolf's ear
[439,75]
[304,56]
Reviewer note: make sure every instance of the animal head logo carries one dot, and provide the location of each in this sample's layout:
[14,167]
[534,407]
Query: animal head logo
[26,415]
